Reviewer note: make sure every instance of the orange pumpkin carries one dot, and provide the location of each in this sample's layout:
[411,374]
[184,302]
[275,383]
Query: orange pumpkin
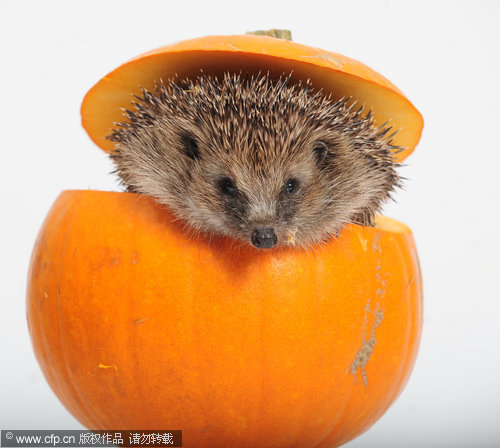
[137,326]
[333,72]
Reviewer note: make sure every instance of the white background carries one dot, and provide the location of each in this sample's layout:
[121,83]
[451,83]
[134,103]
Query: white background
[445,56]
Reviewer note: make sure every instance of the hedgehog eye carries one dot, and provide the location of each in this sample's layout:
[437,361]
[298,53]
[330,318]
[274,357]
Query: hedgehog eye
[190,146]
[227,187]
[320,151]
[290,186]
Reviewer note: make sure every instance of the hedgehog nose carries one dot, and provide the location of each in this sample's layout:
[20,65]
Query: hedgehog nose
[264,237]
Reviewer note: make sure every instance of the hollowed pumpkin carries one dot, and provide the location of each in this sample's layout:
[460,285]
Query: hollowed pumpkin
[137,326]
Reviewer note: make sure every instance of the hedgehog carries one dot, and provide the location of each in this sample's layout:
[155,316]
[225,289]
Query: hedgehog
[260,160]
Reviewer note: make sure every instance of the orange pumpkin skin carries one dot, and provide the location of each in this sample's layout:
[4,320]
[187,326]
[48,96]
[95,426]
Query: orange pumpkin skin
[334,73]
[137,327]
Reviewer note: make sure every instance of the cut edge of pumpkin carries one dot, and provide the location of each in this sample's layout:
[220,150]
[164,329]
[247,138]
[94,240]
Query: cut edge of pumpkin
[331,72]
[382,223]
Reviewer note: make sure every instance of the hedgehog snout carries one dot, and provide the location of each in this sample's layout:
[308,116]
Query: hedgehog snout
[264,237]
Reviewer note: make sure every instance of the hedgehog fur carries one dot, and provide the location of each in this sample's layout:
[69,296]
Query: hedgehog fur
[261,160]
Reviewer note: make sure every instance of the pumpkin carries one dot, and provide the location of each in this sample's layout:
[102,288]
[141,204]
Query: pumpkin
[334,73]
[137,326]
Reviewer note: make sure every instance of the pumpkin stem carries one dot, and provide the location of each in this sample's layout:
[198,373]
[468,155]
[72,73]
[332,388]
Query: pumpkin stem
[279,34]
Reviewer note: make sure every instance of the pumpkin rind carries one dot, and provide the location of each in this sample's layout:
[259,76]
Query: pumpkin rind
[335,73]
[137,327]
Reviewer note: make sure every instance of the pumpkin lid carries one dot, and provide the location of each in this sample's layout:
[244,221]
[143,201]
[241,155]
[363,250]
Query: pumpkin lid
[339,75]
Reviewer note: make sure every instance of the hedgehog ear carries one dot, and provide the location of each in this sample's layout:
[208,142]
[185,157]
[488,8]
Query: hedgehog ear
[190,146]
[320,151]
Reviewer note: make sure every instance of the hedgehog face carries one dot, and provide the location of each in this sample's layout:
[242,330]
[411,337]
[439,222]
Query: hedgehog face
[255,159]
[256,199]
